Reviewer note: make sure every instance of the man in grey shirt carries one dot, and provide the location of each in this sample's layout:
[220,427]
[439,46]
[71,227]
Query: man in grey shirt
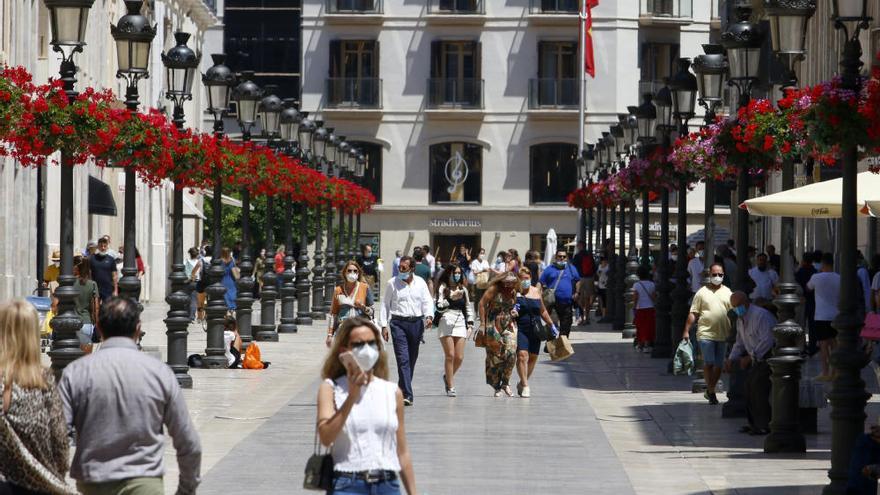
[117,400]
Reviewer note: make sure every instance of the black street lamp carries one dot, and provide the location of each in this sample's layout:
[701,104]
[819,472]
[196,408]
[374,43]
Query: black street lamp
[683,92]
[630,124]
[133,35]
[743,40]
[664,338]
[788,23]
[359,172]
[619,135]
[218,81]
[317,283]
[289,121]
[180,68]
[68,20]
[848,396]
[330,274]
[611,289]
[646,116]
[247,96]
[353,159]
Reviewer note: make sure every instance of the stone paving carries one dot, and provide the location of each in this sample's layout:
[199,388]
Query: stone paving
[607,421]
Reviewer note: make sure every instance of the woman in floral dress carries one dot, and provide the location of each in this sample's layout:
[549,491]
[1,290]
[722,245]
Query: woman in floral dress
[498,315]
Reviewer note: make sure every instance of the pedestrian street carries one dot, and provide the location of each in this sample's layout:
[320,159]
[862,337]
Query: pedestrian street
[607,421]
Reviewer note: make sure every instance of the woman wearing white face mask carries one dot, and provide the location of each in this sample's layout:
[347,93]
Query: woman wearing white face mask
[353,297]
[456,322]
[360,415]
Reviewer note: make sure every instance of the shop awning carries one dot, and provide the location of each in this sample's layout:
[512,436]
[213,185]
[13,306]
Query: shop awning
[101,200]
[819,200]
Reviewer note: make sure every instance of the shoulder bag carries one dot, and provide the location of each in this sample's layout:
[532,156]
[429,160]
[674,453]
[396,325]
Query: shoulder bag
[549,294]
[319,467]
[540,329]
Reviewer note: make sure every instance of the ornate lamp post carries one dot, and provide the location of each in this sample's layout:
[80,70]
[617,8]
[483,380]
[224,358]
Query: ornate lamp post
[646,116]
[316,140]
[788,23]
[318,269]
[359,172]
[291,117]
[133,36]
[247,97]
[180,66]
[353,159]
[218,81]
[330,274]
[664,333]
[683,92]
[848,395]
[743,40]
[631,132]
[68,20]
[616,298]
[711,71]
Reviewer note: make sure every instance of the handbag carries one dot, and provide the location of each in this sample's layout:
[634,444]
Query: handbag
[540,329]
[549,294]
[871,330]
[482,280]
[480,338]
[560,348]
[319,468]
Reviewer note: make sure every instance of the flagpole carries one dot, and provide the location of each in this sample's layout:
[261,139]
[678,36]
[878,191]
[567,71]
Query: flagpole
[582,82]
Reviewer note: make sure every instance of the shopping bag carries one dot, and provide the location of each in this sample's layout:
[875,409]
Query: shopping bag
[871,330]
[251,359]
[560,348]
[683,362]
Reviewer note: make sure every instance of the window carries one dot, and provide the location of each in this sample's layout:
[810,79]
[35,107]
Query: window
[557,6]
[352,6]
[372,179]
[455,74]
[456,173]
[553,172]
[557,81]
[457,6]
[658,61]
[354,74]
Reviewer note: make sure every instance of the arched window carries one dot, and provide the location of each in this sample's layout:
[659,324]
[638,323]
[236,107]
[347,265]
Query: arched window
[456,173]
[553,172]
[372,179]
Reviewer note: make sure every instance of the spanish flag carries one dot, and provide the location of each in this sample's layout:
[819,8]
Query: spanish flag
[587,19]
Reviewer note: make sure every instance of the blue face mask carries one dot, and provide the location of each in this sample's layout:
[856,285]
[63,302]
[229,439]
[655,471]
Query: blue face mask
[526,284]
[740,311]
[403,276]
[456,277]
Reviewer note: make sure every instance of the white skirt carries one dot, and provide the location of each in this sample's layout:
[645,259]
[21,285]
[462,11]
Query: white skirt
[452,324]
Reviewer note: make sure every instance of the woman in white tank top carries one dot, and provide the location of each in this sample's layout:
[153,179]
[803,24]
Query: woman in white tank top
[360,415]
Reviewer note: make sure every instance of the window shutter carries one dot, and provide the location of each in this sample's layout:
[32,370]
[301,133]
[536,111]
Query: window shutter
[478,60]
[436,62]
[335,58]
[542,47]
[375,59]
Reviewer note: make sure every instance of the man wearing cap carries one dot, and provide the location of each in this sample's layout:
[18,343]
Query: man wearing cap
[103,267]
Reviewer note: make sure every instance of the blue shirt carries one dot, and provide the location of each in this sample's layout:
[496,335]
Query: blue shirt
[566,285]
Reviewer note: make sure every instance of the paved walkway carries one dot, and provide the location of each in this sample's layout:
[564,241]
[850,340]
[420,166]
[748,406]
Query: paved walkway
[609,420]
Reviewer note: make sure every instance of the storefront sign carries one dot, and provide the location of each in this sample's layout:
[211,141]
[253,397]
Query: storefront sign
[455,222]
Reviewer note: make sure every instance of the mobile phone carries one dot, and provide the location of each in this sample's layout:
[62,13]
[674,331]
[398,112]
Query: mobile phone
[348,361]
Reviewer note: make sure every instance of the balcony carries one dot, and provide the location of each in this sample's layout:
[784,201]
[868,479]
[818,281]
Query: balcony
[553,12]
[459,95]
[665,12]
[553,94]
[353,11]
[354,93]
[456,12]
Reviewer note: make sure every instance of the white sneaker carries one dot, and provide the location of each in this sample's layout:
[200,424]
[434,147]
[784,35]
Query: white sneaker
[450,392]
[498,392]
[526,393]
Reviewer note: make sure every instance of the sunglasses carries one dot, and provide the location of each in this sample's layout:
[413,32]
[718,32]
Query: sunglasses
[360,344]
[352,271]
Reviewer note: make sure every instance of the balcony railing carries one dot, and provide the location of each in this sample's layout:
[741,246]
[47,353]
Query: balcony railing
[354,92]
[353,6]
[455,93]
[553,7]
[456,7]
[553,93]
[666,8]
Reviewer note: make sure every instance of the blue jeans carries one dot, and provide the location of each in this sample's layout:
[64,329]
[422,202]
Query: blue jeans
[344,484]
[407,337]
[84,334]
[714,352]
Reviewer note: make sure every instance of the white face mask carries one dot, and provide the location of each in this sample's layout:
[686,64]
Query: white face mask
[716,280]
[482,257]
[673,257]
[366,356]
[351,277]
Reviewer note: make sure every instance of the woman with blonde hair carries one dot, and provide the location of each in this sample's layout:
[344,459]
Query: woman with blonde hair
[353,297]
[360,415]
[33,431]
[498,315]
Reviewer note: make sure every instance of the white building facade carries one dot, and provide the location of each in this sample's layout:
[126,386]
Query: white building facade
[24,40]
[468,109]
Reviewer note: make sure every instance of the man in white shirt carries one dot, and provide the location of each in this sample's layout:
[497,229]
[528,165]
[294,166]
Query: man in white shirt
[826,286]
[764,277]
[695,268]
[407,310]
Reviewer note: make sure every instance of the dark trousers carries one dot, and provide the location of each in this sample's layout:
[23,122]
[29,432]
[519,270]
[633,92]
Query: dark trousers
[407,336]
[757,391]
[564,314]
